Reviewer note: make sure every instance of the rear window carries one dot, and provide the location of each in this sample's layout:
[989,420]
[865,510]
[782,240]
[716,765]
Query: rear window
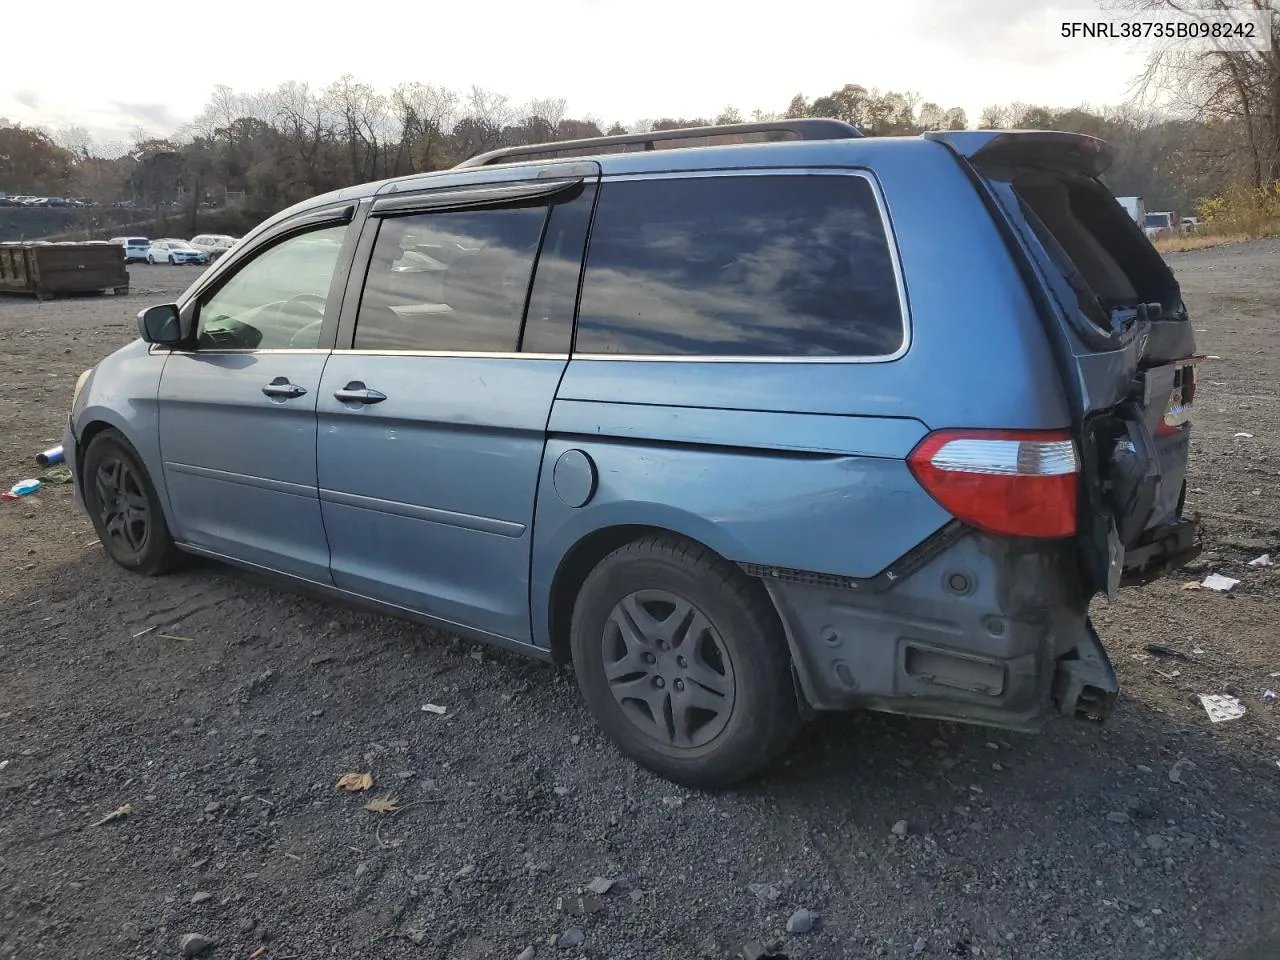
[1096,245]
[138,242]
[753,266]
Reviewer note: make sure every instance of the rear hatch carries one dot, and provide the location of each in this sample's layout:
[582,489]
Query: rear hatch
[1119,328]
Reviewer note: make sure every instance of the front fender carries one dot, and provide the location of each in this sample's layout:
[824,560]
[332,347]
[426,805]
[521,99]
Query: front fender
[123,394]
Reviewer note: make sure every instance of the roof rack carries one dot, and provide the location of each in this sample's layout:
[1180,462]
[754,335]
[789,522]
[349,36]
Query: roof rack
[807,129]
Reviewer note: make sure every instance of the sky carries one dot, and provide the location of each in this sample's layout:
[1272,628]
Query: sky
[111,72]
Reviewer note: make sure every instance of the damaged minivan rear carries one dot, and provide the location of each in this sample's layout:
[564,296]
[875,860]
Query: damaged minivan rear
[1056,442]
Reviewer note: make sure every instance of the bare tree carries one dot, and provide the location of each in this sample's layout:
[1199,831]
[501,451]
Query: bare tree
[426,114]
[484,116]
[362,117]
[76,140]
[1237,89]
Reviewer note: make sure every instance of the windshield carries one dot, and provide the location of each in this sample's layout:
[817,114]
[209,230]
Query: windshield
[1157,220]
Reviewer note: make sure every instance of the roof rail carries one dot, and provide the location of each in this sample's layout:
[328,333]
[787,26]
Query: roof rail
[816,128]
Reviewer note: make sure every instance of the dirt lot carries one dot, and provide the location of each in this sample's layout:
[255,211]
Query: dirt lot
[228,724]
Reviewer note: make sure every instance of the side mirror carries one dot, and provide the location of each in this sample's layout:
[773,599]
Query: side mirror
[160,324]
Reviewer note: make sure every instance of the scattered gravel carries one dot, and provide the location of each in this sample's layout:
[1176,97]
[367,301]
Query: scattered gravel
[194,944]
[800,922]
[1030,868]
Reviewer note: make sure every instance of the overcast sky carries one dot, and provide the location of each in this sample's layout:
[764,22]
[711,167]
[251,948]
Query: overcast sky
[112,68]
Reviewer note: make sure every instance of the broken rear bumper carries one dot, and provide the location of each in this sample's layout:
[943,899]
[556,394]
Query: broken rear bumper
[979,630]
[1161,551]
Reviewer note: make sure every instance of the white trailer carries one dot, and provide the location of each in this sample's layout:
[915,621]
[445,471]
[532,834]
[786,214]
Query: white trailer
[1134,207]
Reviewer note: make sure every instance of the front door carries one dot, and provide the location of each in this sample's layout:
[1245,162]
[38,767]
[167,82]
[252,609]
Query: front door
[238,412]
[432,425]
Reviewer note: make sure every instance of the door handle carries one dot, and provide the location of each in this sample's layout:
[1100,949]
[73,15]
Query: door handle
[357,392]
[281,387]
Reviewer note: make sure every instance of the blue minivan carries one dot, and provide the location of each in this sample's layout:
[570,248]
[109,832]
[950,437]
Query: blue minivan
[745,423]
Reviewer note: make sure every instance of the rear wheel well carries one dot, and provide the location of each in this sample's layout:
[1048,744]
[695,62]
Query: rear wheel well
[583,557]
[577,563]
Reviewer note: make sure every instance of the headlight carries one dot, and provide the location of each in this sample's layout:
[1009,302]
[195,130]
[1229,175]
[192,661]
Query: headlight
[75,395]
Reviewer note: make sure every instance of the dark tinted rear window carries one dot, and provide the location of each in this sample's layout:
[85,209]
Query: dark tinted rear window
[786,265]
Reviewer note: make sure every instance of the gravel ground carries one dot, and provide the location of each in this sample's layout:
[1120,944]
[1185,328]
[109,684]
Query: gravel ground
[223,710]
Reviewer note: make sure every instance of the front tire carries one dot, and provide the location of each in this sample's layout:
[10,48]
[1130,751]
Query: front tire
[682,661]
[124,507]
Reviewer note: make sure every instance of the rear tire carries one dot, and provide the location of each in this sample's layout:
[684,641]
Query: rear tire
[124,508]
[682,662]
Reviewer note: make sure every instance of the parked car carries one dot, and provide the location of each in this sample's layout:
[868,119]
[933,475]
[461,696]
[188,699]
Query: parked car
[744,433]
[1190,225]
[213,245]
[1159,224]
[135,248]
[174,252]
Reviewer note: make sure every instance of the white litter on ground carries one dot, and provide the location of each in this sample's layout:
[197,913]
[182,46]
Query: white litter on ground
[434,708]
[1221,707]
[1243,435]
[1216,581]
[1262,561]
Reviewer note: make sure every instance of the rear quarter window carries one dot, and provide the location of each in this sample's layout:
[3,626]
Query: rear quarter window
[751,266]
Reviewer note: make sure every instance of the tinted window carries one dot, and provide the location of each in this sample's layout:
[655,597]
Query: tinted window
[449,281]
[740,266]
[276,300]
[548,327]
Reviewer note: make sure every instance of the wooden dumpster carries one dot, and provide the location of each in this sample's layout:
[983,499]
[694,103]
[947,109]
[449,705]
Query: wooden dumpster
[47,269]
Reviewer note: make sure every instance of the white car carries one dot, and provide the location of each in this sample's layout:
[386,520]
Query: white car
[213,245]
[174,252]
[135,248]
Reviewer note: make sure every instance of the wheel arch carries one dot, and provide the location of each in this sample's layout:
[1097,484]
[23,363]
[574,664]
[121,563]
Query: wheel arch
[586,554]
[97,421]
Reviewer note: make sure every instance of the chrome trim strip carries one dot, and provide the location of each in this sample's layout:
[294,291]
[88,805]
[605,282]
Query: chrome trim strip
[502,528]
[885,221]
[225,351]
[262,483]
[472,354]
[698,358]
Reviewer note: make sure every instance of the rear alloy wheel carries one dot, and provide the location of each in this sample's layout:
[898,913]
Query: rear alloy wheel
[124,507]
[681,659]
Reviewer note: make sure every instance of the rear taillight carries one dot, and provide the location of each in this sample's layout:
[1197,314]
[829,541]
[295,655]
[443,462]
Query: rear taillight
[1181,397]
[1013,483]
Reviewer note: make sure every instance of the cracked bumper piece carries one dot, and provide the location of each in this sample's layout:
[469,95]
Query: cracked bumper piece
[71,460]
[987,631]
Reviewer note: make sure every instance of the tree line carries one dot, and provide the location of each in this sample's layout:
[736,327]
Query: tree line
[1217,128]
